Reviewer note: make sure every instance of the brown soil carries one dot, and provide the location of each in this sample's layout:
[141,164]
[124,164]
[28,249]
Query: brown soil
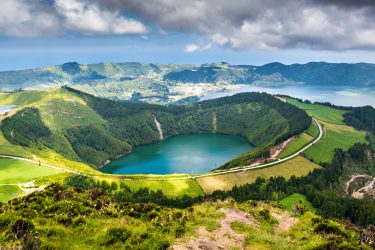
[224,237]
[286,221]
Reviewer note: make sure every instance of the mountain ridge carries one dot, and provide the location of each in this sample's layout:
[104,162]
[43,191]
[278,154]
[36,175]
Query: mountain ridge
[167,83]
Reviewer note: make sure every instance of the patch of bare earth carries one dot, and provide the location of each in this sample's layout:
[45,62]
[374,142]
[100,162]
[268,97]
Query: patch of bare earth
[286,221]
[275,152]
[29,187]
[224,237]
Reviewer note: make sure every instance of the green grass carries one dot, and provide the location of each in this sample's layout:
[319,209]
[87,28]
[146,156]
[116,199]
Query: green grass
[23,98]
[296,144]
[321,112]
[15,171]
[297,166]
[289,202]
[6,148]
[9,192]
[313,130]
[171,188]
[335,136]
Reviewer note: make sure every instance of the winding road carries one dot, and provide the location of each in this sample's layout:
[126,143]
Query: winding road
[218,172]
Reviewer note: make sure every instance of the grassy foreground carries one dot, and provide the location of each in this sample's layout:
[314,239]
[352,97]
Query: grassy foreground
[297,166]
[69,218]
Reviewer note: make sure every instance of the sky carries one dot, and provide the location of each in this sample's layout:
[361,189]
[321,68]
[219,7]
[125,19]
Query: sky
[35,33]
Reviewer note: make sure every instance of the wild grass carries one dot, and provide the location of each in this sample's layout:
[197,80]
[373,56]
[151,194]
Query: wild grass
[313,130]
[297,166]
[15,171]
[296,144]
[289,202]
[9,192]
[321,112]
[171,188]
[335,136]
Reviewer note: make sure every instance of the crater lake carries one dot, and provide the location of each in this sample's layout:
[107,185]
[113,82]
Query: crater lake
[190,154]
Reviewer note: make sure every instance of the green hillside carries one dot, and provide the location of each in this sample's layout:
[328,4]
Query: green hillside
[103,218]
[84,128]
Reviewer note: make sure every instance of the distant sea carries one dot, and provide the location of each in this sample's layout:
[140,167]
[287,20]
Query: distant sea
[340,95]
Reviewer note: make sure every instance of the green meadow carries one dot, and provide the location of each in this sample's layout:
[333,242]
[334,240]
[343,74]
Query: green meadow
[321,112]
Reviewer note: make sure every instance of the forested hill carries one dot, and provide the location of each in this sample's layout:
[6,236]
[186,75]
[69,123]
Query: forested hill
[158,78]
[85,128]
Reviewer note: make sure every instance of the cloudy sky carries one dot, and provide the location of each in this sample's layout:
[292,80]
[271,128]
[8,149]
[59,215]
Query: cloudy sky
[43,32]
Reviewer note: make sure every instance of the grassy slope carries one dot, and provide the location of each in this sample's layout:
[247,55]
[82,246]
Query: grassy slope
[289,202]
[336,135]
[313,130]
[297,166]
[71,218]
[60,109]
[7,148]
[321,112]
[296,144]
[171,188]
[14,171]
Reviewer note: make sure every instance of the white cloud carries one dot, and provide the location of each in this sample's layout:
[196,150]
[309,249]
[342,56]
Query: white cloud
[267,24]
[192,47]
[89,19]
[25,19]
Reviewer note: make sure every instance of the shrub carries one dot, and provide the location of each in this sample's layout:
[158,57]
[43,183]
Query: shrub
[117,234]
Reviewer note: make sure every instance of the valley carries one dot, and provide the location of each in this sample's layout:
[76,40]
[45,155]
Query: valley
[68,134]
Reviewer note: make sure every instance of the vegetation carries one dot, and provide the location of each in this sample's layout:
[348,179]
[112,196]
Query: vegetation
[297,166]
[313,130]
[86,213]
[8,192]
[335,136]
[296,144]
[169,187]
[292,202]
[321,112]
[317,187]
[362,118]
[81,127]
[15,171]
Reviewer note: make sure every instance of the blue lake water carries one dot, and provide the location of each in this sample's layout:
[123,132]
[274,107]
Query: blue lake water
[6,108]
[196,153]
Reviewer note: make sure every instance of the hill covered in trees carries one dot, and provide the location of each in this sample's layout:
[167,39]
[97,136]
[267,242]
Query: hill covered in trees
[85,128]
[168,83]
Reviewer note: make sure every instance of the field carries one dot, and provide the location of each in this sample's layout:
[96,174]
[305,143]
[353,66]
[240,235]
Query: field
[15,172]
[296,144]
[297,166]
[335,136]
[171,188]
[6,148]
[9,192]
[313,130]
[289,202]
[321,112]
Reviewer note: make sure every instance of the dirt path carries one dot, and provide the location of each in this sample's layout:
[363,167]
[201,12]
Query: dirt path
[286,221]
[224,237]
[352,179]
[367,188]
[29,187]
